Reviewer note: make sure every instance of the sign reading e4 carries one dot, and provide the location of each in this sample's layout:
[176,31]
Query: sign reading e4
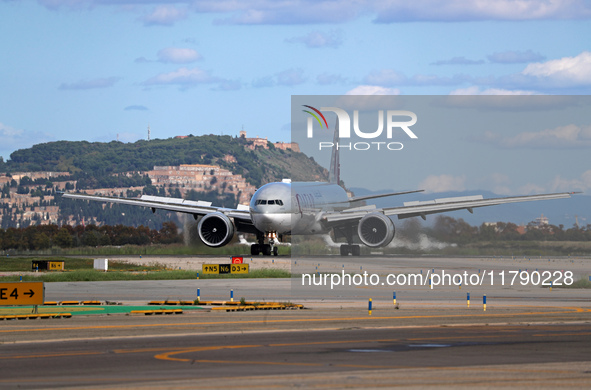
[22,293]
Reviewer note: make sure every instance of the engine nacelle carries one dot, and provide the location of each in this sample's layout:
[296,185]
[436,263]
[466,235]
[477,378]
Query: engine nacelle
[215,229]
[376,230]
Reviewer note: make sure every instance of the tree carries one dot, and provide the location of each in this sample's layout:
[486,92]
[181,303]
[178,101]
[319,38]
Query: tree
[63,239]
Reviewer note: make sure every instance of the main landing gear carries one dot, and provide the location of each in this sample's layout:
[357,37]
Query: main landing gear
[265,249]
[347,250]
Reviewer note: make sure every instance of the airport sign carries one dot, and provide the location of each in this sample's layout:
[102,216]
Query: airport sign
[224,268]
[22,293]
[237,260]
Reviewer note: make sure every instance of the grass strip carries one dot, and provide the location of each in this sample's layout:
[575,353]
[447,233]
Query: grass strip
[92,275]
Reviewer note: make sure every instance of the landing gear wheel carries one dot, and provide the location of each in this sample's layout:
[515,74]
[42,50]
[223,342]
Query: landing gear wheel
[267,250]
[355,250]
[345,250]
[255,249]
[275,251]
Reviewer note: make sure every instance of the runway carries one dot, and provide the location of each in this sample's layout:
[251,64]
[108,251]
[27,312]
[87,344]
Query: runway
[469,355]
[529,336]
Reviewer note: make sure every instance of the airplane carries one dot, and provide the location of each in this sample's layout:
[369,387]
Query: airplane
[309,208]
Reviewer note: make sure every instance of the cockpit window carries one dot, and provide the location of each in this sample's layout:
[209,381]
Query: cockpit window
[271,201]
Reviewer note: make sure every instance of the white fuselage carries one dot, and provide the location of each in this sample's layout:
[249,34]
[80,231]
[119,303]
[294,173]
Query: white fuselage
[295,208]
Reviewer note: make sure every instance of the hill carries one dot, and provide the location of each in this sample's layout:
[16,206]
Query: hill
[32,178]
[101,161]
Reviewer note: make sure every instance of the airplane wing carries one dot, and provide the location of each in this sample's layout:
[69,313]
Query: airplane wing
[423,208]
[196,208]
[365,197]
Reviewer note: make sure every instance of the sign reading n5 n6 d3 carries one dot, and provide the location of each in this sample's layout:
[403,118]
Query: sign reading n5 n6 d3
[225,268]
[21,293]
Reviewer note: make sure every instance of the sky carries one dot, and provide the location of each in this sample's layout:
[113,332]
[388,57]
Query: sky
[101,70]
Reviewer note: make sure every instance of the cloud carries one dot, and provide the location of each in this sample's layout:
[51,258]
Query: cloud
[583,183]
[527,189]
[515,57]
[496,182]
[569,136]
[287,12]
[392,78]
[90,84]
[385,77]
[443,183]
[164,15]
[264,82]
[187,78]
[318,39]
[373,90]
[184,77]
[567,71]
[397,11]
[330,11]
[12,139]
[330,79]
[136,108]
[458,61]
[229,85]
[491,92]
[71,4]
[289,77]
[177,55]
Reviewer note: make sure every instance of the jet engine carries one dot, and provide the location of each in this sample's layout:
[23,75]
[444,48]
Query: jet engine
[376,230]
[215,229]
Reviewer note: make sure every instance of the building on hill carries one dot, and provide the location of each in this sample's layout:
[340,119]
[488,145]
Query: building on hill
[200,177]
[38,175]
[254,142]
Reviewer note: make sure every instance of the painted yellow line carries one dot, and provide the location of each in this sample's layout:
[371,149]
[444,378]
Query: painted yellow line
[50,355]
[562,334]
[167,356]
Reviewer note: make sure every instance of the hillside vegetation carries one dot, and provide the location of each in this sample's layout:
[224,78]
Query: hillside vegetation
[94,162]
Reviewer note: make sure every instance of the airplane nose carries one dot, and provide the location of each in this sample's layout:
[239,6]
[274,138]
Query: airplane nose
[272,222]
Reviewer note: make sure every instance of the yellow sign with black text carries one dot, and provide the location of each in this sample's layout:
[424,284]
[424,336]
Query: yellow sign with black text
[239,269]
[22,293]
[55,265]
[224,268]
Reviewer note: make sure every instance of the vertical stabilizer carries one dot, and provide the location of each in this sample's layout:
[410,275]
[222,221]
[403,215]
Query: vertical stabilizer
[334,175]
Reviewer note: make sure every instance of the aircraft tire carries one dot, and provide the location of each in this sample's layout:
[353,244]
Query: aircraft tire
[355,250]
[255,249]
[275,251]
[345,250]
[267,250]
